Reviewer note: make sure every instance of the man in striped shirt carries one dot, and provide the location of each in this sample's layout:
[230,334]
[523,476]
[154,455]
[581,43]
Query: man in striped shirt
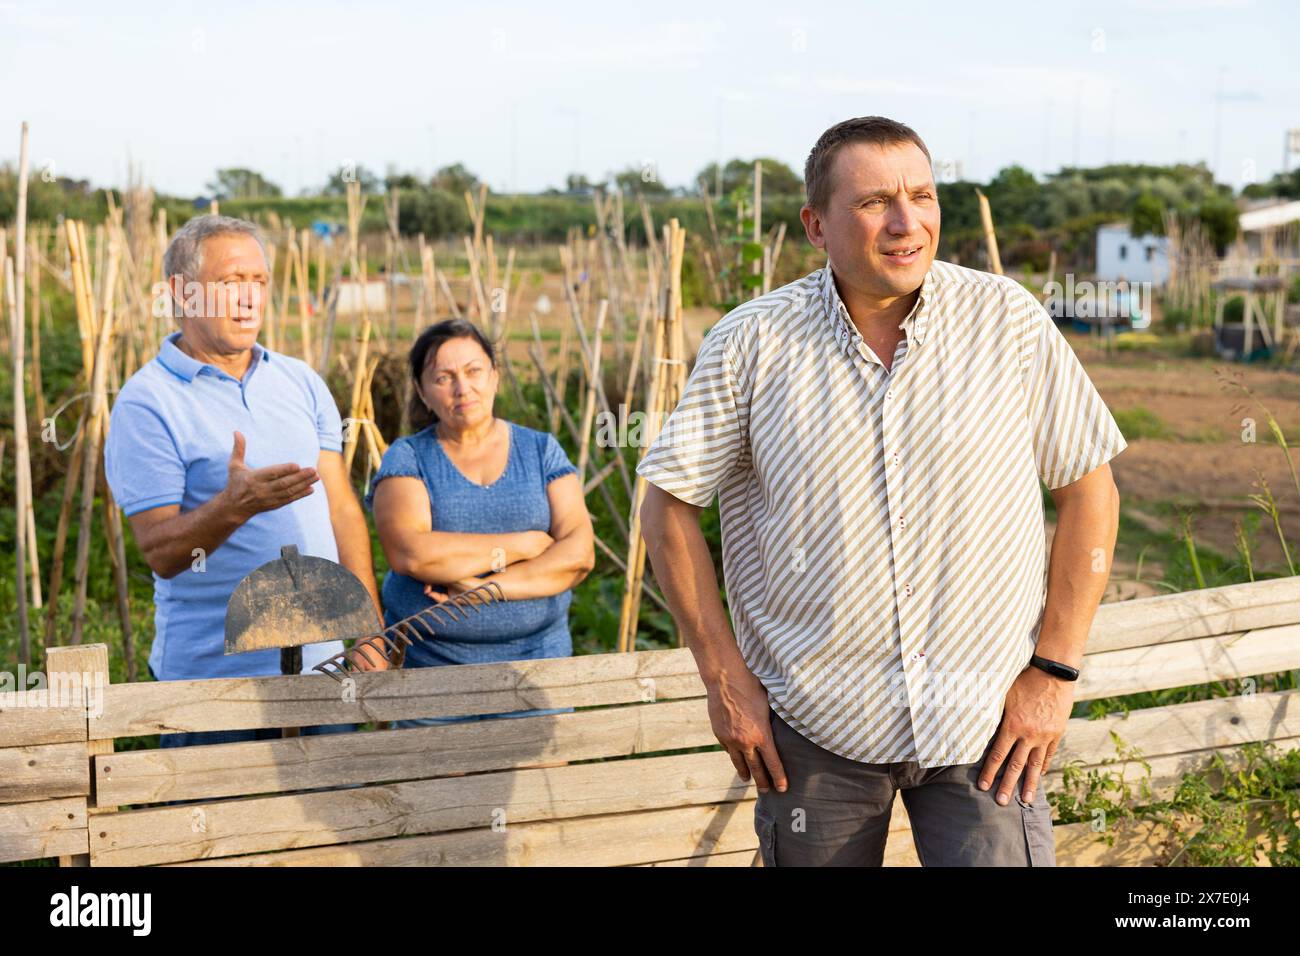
[876,433]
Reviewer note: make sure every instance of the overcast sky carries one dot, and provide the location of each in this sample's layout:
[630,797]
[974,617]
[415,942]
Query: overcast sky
[524,94]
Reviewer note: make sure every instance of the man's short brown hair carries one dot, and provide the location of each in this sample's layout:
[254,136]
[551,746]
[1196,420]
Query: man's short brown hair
[876,130]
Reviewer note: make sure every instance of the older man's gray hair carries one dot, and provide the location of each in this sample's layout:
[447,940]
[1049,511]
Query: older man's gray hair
[184,253]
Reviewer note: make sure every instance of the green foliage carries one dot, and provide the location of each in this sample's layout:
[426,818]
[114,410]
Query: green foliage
[49,197]
[1283,185]
[643,181]
[240,183]
[1148,215]
[1220,217]
[778,178]
[1220,814]
[455,179]
[1139,422]
[434,212]
[1234,307]
[337,184]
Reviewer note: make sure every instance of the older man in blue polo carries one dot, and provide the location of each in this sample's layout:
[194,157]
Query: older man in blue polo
[221,451]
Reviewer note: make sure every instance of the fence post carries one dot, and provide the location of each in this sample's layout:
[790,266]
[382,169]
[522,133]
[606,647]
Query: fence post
[82,670]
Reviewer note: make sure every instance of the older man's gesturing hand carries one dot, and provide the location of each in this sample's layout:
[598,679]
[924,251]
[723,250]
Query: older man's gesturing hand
[253,490]
[740,715]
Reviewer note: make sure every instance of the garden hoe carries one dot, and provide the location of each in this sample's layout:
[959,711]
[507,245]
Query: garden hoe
[294,600]
[298,599]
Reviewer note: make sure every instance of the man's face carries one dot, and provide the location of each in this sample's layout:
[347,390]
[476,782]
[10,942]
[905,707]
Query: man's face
[883,201]
[226,313]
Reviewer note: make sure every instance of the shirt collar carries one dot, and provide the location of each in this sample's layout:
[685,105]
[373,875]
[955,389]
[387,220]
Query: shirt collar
[847,334]
[186,367]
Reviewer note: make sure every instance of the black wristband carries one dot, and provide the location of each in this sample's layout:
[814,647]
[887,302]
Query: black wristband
[1055,668]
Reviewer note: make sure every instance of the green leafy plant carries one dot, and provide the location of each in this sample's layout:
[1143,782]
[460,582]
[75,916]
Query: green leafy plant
[1217,815]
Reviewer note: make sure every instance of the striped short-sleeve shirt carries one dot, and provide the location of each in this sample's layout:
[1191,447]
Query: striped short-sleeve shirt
[882,529]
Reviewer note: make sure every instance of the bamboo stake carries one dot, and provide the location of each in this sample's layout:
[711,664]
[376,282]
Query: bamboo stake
[61,532]
[350,447]
[451,299]
[644,310]
[546,392]
[280,315]
[117,556]
[96,422]
[572,428]
[82,300]
[584,351]
[990,238]
[561,376]
[593,380]
[392,215]
[320,274]
[304,305]
[649,590]
[662,389]
[757,268]
[476,282]
[21,483]
[613,285]
[38,391]
[24,519]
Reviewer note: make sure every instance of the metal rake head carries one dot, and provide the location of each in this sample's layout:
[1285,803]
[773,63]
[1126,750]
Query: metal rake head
[397,637]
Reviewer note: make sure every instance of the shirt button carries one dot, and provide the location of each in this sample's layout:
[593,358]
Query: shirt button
[902,522]
[917,655]
[889,393]
[907,589]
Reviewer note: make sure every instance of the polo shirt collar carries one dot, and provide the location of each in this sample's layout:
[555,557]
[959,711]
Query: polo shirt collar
[846,333]
[186,367]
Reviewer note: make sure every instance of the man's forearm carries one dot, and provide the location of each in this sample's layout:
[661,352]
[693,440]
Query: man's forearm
[684,569]
[171,546]
[1078,569]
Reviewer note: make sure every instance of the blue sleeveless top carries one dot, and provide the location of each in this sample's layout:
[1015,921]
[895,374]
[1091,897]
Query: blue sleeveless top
[517,501]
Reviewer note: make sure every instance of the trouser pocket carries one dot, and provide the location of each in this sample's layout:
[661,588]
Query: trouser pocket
[766,830]
[1040,840]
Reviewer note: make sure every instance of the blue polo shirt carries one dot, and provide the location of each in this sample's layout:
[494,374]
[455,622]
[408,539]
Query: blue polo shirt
[169,443]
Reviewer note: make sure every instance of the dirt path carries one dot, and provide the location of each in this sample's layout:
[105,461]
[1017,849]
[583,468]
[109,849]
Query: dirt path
[1203,456]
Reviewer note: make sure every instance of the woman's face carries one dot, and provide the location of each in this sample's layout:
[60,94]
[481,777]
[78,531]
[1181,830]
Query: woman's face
[459,384]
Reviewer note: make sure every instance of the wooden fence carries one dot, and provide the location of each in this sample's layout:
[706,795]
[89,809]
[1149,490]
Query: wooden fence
[628,778]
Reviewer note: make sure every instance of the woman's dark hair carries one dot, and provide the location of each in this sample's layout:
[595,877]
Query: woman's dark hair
[426,347]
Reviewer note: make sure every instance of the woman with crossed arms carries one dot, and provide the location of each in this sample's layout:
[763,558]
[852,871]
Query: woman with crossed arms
[472,498]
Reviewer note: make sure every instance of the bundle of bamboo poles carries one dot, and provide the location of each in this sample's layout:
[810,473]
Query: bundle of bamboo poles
[1193,266]
[109,280]
[96,316]
[666,385]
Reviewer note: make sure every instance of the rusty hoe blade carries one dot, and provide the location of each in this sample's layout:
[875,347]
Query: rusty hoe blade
[294,600]
[418,627]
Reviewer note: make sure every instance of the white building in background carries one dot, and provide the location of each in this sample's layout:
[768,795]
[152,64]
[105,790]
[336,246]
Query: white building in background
[1271,216]
[1120,255]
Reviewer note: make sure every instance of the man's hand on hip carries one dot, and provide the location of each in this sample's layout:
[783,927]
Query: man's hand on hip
[1034,717]
[741,719]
